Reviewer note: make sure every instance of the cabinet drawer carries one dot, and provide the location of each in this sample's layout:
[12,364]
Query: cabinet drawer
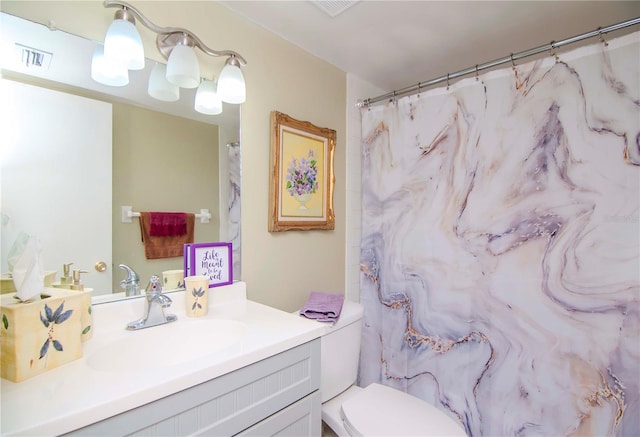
[304,418]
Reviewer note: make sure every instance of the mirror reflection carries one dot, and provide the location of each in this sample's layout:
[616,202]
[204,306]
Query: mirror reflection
[85,154]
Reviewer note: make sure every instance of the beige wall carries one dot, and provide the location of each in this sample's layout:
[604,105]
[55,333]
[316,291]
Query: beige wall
[280,268]
[160,163]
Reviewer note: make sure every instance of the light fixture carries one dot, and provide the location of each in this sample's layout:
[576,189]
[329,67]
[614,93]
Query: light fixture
[108,73]
[122,43]
[231,87]
[159,87]
[183,69]
[207,99]
[177,46]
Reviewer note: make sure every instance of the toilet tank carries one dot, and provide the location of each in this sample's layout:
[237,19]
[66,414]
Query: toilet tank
[340,352]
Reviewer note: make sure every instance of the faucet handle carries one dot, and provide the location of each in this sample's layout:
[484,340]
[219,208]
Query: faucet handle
[154,285]
[156,303]
[132,276]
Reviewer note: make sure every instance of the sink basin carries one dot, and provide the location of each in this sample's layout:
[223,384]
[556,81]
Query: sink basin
[167,345]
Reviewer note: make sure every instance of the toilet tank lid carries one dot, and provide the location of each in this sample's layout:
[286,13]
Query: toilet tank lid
[351,312]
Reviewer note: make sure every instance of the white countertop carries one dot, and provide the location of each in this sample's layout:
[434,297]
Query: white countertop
[75,395]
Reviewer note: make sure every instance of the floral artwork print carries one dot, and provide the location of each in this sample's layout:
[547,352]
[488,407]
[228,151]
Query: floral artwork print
[302,176]
[49,320]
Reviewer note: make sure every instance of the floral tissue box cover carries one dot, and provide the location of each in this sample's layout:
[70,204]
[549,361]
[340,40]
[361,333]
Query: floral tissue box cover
[37,336]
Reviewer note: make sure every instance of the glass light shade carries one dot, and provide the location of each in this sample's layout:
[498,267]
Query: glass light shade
[159,87]
[231,86]
[123,44]
[183,69]
[108,73]
[207,100]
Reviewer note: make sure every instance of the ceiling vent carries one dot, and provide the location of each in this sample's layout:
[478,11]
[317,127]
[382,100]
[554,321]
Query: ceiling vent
[334,7]
[32,58]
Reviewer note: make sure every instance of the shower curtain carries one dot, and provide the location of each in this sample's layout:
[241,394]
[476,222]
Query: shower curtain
[500,256]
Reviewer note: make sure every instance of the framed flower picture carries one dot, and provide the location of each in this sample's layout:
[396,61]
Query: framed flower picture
[302,180]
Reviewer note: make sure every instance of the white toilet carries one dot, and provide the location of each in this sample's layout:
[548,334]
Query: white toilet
[352,411]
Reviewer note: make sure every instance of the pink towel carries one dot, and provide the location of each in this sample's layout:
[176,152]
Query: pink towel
[164,247]
[168,224]
[323,307]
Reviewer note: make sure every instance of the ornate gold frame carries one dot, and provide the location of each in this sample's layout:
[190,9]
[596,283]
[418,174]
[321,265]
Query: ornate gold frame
[300,140]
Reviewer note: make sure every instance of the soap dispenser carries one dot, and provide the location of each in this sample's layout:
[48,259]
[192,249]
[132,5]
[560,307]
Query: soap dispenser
[76,280]
[66,279]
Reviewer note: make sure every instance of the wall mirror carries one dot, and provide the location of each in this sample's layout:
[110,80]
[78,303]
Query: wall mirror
[161,157]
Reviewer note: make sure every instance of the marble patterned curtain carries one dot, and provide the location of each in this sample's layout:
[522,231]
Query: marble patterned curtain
[500,258]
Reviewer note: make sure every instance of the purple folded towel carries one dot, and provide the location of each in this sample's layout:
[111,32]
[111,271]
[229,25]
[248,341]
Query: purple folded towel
[323,307]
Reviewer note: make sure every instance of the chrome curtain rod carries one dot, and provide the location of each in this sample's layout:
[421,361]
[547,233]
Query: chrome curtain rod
[511,58]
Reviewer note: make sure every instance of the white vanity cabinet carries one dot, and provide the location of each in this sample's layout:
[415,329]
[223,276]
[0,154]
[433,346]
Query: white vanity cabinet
[275,396]
[244,369]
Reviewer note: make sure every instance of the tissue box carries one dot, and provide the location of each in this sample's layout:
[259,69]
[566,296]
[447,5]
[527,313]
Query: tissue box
[41,335]
[7,285]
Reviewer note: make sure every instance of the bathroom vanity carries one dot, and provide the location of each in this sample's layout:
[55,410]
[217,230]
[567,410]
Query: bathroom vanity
[244,369]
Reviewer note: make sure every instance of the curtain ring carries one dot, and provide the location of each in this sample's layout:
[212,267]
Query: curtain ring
[477,76]
[513,64]
[553,51]
[601,37]
[447,81]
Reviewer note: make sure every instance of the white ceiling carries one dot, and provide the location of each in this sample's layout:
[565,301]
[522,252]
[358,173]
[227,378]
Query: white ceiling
[394,44]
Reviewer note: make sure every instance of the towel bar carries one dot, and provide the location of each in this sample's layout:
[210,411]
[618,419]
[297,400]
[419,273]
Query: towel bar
[128,213]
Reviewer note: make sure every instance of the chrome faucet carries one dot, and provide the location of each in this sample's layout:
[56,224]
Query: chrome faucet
[156,302]
[131,283]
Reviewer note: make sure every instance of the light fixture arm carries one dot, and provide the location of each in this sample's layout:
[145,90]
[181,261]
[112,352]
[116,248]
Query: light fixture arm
[168,33]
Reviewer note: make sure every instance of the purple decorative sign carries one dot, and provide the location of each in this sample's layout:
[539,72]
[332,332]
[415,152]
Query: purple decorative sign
[213,260]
